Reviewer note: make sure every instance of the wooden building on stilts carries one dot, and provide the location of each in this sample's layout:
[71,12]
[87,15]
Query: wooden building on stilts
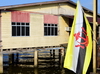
[42,25]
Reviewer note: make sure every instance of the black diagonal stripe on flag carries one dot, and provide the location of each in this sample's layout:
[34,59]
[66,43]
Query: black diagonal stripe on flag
[82,51]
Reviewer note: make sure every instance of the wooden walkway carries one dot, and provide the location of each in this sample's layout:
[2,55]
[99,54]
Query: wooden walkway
[19,50]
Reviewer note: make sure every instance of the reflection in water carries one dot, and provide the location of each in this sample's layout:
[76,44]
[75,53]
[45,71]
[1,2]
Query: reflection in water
[29,70]
[23,63]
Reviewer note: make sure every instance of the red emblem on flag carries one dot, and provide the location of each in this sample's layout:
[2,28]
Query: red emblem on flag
[84,39]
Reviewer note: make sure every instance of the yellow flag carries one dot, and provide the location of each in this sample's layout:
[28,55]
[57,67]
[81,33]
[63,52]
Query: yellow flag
[79,50]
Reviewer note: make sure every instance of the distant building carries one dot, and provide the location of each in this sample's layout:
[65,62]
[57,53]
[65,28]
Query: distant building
[37,24]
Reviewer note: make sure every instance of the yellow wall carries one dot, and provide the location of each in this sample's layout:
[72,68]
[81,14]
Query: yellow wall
[36,38]
[62,8]
[51,9]
[7,40]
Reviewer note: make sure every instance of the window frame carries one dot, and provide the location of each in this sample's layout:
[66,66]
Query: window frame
[22,29]
[53,29]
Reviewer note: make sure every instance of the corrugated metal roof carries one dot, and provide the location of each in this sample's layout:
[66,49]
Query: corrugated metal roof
[44,3]
[33,4]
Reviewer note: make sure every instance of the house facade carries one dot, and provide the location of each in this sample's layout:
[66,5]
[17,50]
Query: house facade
[37,24]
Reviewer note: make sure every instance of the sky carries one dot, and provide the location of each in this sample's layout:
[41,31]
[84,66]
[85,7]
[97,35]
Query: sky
[86,3]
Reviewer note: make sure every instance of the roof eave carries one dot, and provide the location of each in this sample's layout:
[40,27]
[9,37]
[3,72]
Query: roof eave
[44,3]
[32,4]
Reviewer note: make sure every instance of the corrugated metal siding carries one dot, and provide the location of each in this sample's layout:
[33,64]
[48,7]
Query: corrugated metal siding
[98,20]
[20,16]
[70,22]
[91,19]
[51,19]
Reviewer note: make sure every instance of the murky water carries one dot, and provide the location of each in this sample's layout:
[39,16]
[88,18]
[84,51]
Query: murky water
[31,70]
[25,65]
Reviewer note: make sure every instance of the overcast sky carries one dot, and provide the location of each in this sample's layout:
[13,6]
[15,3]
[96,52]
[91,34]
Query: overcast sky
[86,3]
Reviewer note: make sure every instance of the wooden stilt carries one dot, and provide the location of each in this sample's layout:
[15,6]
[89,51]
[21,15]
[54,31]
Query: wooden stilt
[1,63]
[36,58]
[11,59]
[50,58]
[62,56]
[53,58]
[17,58]
[60,59]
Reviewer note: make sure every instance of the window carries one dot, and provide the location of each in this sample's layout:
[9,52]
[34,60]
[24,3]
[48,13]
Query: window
[20,29]
[50,29]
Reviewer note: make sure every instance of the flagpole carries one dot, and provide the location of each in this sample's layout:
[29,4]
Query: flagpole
[94,34]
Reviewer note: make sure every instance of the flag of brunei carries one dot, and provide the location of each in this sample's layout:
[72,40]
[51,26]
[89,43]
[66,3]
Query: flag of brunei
[79,50]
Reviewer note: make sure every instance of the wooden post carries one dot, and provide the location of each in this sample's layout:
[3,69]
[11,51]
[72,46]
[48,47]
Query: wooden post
[50,58]
[62,56]
[53,57]
[60,59]
[17,58]
[1,54]
[0,31]
[50,53]
[1,62]
[11,59]
[94,34]
[36,58]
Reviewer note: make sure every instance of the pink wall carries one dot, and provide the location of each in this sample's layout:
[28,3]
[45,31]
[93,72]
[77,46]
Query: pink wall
[20,16]
[51,19]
